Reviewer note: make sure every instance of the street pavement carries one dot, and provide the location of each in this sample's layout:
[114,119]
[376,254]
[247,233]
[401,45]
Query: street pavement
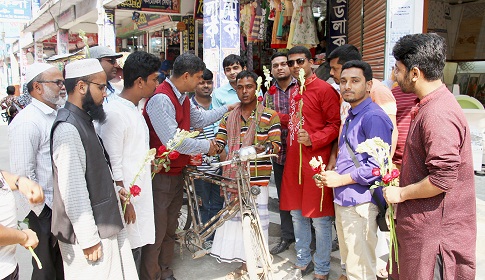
[206,268]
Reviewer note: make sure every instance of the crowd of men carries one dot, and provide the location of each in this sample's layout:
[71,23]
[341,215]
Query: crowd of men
[76,153]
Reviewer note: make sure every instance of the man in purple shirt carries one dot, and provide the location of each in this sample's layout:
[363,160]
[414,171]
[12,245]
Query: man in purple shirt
[355,210]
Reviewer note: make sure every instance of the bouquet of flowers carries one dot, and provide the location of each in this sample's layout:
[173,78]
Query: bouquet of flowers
[135,189]
[380,151]
[318,166]
[267,83]
[168,153]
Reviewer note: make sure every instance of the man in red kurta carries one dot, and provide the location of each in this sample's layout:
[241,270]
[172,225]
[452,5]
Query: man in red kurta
[320,127]
[436,213]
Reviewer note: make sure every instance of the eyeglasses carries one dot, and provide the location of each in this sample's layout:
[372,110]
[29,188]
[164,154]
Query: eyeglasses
[101,87]
[300,61]
[112,60]
[59,83]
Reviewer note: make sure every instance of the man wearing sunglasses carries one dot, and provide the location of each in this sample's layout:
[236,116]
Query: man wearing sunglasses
[29,135]
[107,57]
[309,136]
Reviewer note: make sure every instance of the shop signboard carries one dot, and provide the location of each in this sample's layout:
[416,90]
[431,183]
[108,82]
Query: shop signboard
[148,20]
[338,11]
[20,10]
[198,9]
[166,6]
[188,36]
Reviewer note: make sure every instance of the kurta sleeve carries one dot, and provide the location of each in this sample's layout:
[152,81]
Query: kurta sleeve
[112,131]
[330,109]
[274,133]
[70,159]
[443,147]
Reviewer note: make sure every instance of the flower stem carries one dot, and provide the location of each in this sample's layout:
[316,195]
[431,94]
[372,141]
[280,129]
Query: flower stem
[321,201]
[34,255]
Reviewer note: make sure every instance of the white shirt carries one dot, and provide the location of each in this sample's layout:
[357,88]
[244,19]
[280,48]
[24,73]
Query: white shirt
[7,219]
[29,139]
[126,139]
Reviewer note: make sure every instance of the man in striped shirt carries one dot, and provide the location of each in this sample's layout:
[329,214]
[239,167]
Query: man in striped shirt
[212,201]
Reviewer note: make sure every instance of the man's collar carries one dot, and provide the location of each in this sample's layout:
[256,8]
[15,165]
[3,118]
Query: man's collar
[78,111]
[360,107]
[43,107]
[174,88]
[292,82]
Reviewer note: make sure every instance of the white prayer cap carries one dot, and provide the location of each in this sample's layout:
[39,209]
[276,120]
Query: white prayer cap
[35,69]
[83,67]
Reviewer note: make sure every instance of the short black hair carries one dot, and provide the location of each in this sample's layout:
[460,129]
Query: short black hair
[277,54]
[233,59]
[207,75]
[344,54]
[300,49]
[139,64]
[10,90]
[246,74]
[187,63]
[427,52]
[361,65]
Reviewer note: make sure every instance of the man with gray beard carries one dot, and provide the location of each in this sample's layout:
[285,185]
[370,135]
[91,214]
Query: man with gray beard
[29,136]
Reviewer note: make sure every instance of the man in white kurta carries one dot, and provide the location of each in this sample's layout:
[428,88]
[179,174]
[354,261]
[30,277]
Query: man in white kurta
[94,254]
[125,136]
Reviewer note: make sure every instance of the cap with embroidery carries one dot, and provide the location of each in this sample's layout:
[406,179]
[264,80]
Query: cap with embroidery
[35,69]
[102,51]
[83,67]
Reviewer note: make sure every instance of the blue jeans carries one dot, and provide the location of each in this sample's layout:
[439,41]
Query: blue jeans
[212,201]
[303,238]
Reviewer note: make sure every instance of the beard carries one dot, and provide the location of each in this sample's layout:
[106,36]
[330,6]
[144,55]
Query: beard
[95,111]
[51,96]
[406,85]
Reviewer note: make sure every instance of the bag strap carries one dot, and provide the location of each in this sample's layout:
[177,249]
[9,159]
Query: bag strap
[357,164]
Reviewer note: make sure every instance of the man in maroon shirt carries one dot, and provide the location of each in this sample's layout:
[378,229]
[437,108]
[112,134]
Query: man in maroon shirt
[436,213]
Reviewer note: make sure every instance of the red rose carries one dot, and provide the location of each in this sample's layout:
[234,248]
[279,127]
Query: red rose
[272,90]
[297,97]
[395,173]
[162,149]
[376,171]
[316,169]
[387,178]
[173,155]
[135,190]
[260,98]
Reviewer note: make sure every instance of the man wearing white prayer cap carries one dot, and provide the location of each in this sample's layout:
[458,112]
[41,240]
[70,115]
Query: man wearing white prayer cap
[29,136]
[86,213]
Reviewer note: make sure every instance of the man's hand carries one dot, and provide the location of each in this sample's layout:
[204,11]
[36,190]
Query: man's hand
[130,215]
[213,148]
[331,179]
[230,107]
[30,239]
[93,253]
[392,194]
[31,190]
[123,195]
[304,137]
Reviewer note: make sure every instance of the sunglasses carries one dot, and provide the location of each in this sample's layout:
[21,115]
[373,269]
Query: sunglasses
[59,83]
[112,60]
[300,62]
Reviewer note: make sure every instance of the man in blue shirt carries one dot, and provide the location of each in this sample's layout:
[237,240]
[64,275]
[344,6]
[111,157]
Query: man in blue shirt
[226,94]
[355,210]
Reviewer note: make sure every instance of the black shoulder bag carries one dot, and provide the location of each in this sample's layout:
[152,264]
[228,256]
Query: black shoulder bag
[381,217]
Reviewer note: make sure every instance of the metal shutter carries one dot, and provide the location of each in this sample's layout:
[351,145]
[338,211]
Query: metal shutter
[367,31]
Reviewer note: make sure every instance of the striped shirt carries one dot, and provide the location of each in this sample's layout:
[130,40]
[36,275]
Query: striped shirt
[208,134]
[404,101]
[280,103]
[268,131]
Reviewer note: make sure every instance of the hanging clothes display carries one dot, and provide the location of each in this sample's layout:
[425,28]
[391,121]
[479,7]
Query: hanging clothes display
[281,27]
[303,31]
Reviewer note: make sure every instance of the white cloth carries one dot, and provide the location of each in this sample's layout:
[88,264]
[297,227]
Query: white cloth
[126,139]
[8,263]
[228,244]
[29,141]
[117,261]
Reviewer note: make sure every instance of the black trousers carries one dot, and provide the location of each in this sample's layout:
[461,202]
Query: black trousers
[48,248]
[285,216]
